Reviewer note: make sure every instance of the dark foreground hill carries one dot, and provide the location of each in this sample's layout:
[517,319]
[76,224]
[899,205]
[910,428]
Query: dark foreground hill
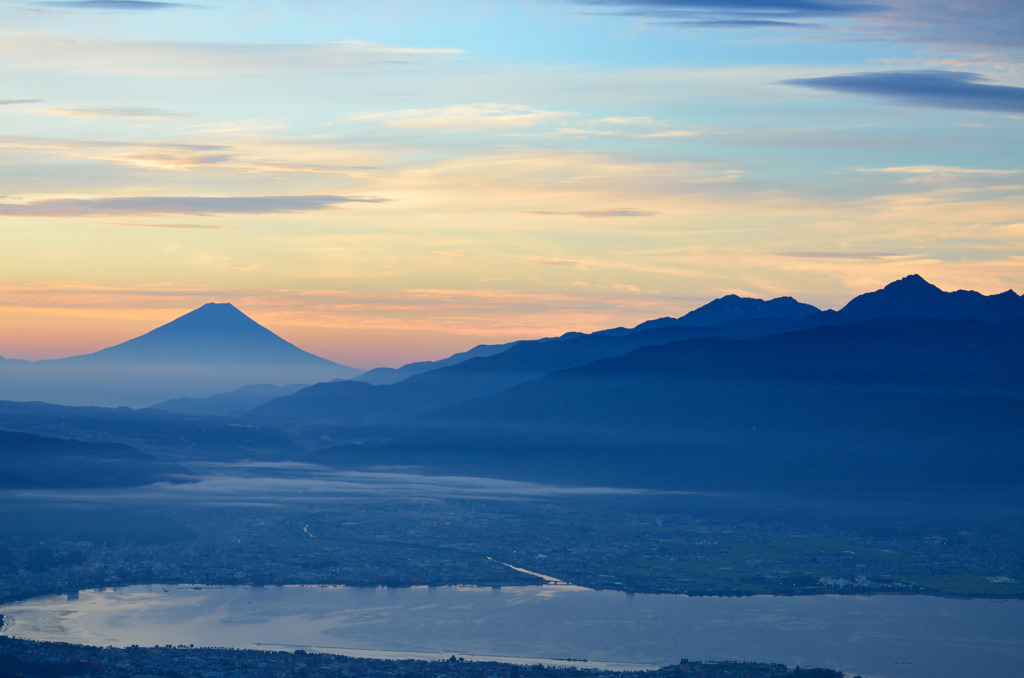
[33,461]
[169,435]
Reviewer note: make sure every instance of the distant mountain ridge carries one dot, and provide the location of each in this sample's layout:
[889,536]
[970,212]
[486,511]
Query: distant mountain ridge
[898,400]
[390,375]
[234,402]
[915,297]
[732,307]
[730,317]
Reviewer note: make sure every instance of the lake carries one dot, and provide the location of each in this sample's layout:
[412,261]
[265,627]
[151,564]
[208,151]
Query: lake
[884,636]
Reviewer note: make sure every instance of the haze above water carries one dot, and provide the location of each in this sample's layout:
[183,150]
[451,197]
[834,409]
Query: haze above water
[883,636]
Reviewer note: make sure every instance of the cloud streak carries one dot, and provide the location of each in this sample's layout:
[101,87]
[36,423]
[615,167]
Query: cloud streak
[197,227]
[597,214]
[251,155]
[87,207]
[836,255]
[931,88]
[111,112]
[937,169]
[734,13]
[150,58]
[986,24]
[111,5]
[462,117]
[966,23]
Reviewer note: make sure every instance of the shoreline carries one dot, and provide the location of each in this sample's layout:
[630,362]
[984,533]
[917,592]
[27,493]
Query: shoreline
[47,655]
[552,582]
[755,640]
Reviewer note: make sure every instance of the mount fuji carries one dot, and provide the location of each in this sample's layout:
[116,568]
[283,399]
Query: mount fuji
[213,349]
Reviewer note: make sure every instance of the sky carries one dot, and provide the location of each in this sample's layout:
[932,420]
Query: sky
[395,181]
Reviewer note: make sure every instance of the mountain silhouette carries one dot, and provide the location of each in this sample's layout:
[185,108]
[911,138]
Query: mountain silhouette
[915,297]
[896,402]
[216,334]
[237,401]
[732,307]
[892,390]
[735,308]
[390,375]
[213,349]
[359,402]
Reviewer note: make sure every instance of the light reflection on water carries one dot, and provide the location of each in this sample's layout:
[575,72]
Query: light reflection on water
[883,636]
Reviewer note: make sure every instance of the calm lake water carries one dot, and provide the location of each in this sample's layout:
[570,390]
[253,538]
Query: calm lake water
[877,636]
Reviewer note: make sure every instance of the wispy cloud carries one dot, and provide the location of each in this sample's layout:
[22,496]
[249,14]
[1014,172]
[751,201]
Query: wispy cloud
[152,58]
[836,255]
[934,89]
[733,13]
[109,5]
[937,169]
[597,214]
[620,132]
[461,117]
[668,134]
[200,227]
[250,154]
[153,155]
[635,120]
[79,207]
[111,112]
[984,24]
[14,102]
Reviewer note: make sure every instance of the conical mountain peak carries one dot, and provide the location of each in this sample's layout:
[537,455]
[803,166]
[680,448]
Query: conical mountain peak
[217,334]
[214,348]
[213,312]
